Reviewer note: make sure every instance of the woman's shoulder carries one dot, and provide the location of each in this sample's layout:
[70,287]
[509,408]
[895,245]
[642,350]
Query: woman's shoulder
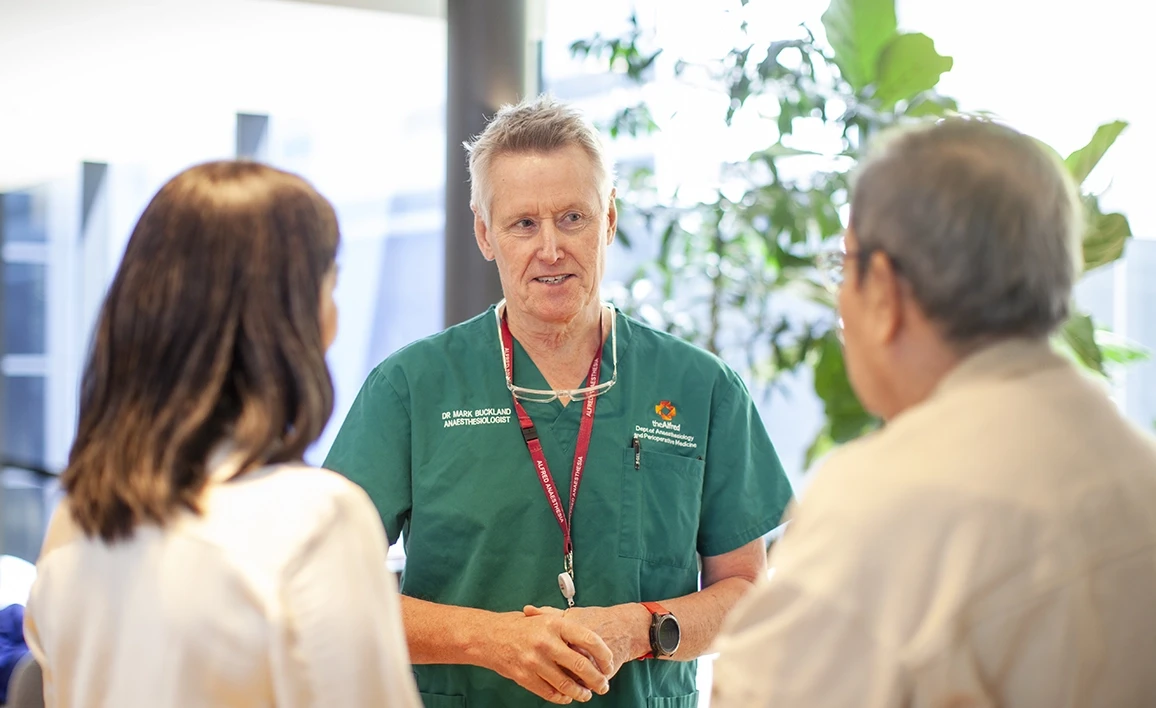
[288,502]
[266,518]
[297,486]
[301,476]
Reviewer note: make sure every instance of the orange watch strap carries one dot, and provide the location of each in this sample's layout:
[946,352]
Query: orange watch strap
[655,609]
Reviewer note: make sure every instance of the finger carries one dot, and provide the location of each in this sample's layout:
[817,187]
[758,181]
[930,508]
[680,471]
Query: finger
[537,685]
[531,611]
[576,665]
[587,641]
[565,683]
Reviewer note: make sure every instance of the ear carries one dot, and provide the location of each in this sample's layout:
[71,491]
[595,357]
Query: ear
[885,295]
[612,217]
[482,235]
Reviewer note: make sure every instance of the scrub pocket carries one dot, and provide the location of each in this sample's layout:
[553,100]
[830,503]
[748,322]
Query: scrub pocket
[661,504]
[688,701]
[436,700]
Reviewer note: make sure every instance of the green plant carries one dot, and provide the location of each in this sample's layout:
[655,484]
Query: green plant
[732,273]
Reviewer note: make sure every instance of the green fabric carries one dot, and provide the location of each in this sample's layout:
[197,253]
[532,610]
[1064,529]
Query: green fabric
[433,439]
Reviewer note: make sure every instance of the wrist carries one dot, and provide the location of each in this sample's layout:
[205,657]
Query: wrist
[639,618]
[475,640]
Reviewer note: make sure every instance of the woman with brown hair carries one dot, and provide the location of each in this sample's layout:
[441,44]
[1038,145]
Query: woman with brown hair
[197,561]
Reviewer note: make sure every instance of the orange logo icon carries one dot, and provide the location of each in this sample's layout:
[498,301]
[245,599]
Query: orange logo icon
[665,410]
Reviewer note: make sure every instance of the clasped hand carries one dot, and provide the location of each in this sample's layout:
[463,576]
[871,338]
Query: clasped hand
[618,629]
[552,656]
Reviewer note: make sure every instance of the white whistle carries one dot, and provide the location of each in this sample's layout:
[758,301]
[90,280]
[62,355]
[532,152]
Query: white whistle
[566,585]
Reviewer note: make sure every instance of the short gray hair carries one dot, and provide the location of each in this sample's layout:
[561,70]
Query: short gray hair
[536,125]
[983,222]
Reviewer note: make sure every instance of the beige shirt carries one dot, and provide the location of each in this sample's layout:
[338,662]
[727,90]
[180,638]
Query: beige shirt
[994,546]
[278,595]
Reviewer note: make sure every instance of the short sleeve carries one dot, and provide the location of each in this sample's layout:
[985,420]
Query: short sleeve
[342,641]
[745,490]
[372,449]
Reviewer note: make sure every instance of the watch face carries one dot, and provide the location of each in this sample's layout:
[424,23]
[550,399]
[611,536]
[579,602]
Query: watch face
[668,634]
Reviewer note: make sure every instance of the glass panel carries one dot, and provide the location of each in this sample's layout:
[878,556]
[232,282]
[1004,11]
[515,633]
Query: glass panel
[24,308]
[23,441]
[22,217]
[1140,326]
[24,516]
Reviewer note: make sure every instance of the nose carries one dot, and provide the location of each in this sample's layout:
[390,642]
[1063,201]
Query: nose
[548,246]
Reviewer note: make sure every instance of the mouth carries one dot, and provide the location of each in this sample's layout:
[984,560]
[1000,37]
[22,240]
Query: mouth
[553,279]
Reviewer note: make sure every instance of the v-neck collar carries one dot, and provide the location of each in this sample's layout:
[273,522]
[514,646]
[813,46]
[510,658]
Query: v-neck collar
[527,374]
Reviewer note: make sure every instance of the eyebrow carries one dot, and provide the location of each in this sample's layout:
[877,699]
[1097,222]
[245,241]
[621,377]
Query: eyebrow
[572,206]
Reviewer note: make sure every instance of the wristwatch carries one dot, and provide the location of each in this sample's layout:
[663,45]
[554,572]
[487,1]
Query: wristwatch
[665,634]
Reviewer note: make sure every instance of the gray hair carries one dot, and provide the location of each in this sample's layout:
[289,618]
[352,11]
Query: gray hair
[983,222]
[535,125]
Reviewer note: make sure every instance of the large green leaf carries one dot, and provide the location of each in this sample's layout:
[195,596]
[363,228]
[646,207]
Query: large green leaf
[1083,161]
[931,106]
[1120,350]
[846,418]
[857,31]
[779,150]
[1104,240]
[845,414]
[1079,334]
[821,445]
[908,66]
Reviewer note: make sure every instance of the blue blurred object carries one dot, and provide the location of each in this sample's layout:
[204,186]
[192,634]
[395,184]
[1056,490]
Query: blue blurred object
[12,646]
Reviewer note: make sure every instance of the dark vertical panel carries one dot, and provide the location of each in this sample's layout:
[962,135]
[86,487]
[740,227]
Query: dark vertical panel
[488,66]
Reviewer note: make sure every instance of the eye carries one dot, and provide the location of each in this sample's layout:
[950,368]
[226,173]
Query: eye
[524,224]
[572,218]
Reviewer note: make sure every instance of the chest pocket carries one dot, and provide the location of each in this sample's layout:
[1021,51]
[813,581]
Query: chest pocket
[661,504]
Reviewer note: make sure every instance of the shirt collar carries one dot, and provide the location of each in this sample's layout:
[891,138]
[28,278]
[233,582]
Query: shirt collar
[1004,360]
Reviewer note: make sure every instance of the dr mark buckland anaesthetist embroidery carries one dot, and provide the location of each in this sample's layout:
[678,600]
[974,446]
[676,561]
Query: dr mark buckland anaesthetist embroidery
[479,416]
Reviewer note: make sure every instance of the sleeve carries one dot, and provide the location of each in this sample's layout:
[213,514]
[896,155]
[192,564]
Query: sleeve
[372,449]
[825,628]
[745,490]
[343,642]
[784,647]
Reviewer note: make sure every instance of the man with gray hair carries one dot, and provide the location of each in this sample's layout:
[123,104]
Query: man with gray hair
[995,543]
[582,498]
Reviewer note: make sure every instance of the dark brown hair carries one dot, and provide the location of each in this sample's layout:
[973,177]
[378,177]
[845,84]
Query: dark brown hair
[210,331]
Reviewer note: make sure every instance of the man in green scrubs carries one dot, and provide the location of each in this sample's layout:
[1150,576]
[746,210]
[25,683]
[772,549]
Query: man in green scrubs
[674,467]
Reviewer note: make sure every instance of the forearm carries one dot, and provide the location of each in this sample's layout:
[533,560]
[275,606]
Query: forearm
[726,578]
[445,634]
[701,614]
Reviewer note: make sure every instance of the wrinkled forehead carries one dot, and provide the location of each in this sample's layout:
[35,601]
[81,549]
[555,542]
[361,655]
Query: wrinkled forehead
[564,178]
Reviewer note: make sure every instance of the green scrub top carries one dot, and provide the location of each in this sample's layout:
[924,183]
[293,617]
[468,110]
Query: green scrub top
[433,439]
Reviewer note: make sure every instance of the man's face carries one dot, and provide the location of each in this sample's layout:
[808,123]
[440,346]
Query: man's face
[547,232]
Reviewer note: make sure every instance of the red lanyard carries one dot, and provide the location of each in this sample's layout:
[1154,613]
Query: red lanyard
[534,445]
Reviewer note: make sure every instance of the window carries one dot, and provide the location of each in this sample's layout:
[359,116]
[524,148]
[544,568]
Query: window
[23,366]
[316,91]
[25,310]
